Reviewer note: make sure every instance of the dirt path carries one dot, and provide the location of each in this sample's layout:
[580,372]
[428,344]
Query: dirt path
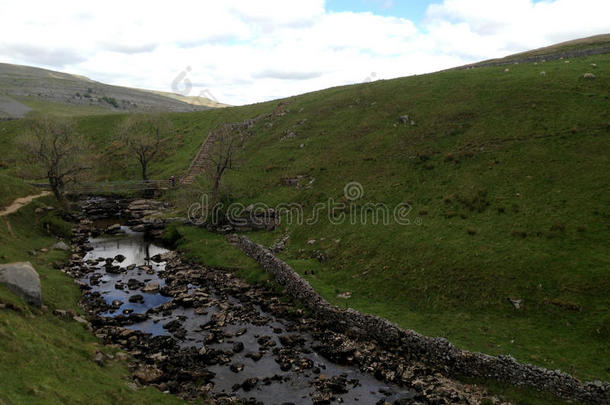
[21,202]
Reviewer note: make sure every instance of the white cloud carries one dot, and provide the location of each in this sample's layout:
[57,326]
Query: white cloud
[244,51]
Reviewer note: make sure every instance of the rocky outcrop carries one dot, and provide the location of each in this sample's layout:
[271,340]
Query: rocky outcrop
[437,352]
[23,280]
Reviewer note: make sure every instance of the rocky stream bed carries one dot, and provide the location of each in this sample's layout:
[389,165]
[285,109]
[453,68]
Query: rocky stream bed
[201,332]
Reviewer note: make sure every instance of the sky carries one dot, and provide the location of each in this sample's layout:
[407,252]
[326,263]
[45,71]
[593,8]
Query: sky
[243,51]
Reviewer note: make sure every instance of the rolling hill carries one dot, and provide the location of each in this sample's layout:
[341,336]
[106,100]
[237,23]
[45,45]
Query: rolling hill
[594,45]
[24,88]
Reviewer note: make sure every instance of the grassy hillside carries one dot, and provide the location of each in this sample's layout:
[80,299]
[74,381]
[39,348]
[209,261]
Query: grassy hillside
[47,91]
[593,45]
[54,357]
[12,188]
[506,174]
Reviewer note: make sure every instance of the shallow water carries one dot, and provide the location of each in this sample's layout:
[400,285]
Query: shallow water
[293,386]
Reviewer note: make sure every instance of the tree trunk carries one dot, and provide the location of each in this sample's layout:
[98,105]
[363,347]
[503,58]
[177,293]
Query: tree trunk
[144,171]
[57,189]
[215,192]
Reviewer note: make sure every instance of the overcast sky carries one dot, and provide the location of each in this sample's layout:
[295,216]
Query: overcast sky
[245,51]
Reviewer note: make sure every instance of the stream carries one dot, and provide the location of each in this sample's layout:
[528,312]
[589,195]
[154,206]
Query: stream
[257,356]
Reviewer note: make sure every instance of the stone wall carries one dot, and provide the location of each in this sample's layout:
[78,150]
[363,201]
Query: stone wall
[437,352]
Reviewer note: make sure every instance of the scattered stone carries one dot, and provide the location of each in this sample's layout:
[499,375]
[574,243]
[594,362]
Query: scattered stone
[114,229]
[238,347]
[256,356]
[61,246]
[589,76]
[157,258]
[249,384]
[136,299]
[121,356]
[288,135]
[81,320]
[99,358]
[148,374]
[236,368]
[518,304]
[151,288]
[134,284]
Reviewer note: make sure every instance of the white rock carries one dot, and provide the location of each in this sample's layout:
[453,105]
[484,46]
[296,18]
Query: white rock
[61,246]
[23,280]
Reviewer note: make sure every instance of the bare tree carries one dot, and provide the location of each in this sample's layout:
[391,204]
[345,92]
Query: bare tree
[54,149]
[220,157]
[143,134]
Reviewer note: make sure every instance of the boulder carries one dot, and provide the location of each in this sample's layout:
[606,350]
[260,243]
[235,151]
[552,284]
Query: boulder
[589,76]
[23,280]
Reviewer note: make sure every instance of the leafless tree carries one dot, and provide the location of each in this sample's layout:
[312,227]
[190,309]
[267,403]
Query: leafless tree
[220,157]
[54,149]
[143,134]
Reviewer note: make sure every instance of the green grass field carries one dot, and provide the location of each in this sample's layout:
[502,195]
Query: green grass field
[506,172]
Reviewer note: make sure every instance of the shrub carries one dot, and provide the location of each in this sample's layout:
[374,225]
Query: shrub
[112,101]
[54,225]
[171,235]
